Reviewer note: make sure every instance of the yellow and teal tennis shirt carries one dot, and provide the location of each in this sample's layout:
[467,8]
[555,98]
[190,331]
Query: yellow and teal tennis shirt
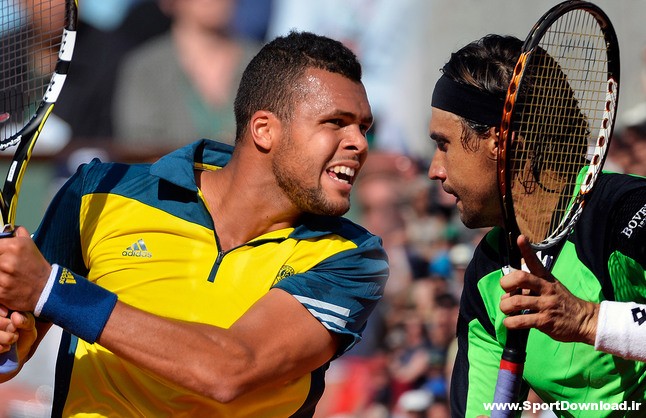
[143,232]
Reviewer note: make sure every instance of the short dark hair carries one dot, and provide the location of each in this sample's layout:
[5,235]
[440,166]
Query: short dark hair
[487,63]
[269,81]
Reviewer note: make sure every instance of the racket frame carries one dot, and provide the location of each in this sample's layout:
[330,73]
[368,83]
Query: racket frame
[26,138]
[507,136]
[514,353]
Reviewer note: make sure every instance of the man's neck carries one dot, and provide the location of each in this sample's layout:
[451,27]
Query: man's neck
[243,210]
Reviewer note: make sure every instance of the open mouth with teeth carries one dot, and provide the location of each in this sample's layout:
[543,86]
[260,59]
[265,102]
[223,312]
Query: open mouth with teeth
[342,174]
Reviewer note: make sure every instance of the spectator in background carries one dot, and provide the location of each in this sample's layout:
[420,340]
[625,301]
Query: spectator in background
[628,147]
[380,204]
[109,15]
[182,84]
[85,103]
[412,357]
[438,409]
[414,404]
[441,326]
[419,384]
[252,18]
[107,31]
[382,199]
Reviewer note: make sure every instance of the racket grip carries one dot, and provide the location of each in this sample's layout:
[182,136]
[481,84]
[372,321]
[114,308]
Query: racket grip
[510,377]
[9,360]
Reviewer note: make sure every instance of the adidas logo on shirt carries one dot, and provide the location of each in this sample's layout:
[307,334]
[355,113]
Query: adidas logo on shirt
[138,249]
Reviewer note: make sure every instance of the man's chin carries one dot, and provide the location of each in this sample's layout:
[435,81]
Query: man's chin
[338,211]
[470,222]
[330,209]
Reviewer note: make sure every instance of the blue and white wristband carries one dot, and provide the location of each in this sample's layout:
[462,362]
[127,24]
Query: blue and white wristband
[75,304]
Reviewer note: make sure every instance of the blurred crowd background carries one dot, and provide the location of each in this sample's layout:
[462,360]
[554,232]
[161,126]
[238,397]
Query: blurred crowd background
[149,76]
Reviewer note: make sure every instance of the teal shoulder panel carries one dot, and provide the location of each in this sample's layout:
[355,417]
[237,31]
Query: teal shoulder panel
[134,181]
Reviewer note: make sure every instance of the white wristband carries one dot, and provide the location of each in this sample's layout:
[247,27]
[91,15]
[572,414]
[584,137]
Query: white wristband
[46,291]
[621,330]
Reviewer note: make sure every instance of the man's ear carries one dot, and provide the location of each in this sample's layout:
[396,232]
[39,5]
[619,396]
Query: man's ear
[264,129]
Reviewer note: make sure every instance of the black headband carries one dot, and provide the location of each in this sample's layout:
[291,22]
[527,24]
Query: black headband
[467,101]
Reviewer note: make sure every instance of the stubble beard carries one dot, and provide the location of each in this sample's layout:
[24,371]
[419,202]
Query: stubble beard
[477,218]
[289,172]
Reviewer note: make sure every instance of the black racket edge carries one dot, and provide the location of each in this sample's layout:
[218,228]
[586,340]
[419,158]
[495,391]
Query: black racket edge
[26,138]
[13,180]
[514,352]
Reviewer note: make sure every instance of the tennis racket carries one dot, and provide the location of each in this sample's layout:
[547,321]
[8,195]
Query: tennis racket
[557,122]
[36,44]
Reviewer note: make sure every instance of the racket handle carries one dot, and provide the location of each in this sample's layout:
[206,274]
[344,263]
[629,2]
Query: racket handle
[510,378]
[510,374]
[9,360]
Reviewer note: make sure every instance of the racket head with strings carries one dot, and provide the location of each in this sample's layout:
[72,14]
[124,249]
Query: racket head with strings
[36,54]
[557,122]
[36,45]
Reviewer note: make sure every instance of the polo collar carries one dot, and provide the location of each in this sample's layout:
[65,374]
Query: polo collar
[178,166]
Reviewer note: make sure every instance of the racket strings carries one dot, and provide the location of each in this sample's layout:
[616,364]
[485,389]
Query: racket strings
[29,44]
[559,115]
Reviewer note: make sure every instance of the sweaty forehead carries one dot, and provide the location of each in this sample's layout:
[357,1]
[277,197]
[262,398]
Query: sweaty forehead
[326,91]
[316,80]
